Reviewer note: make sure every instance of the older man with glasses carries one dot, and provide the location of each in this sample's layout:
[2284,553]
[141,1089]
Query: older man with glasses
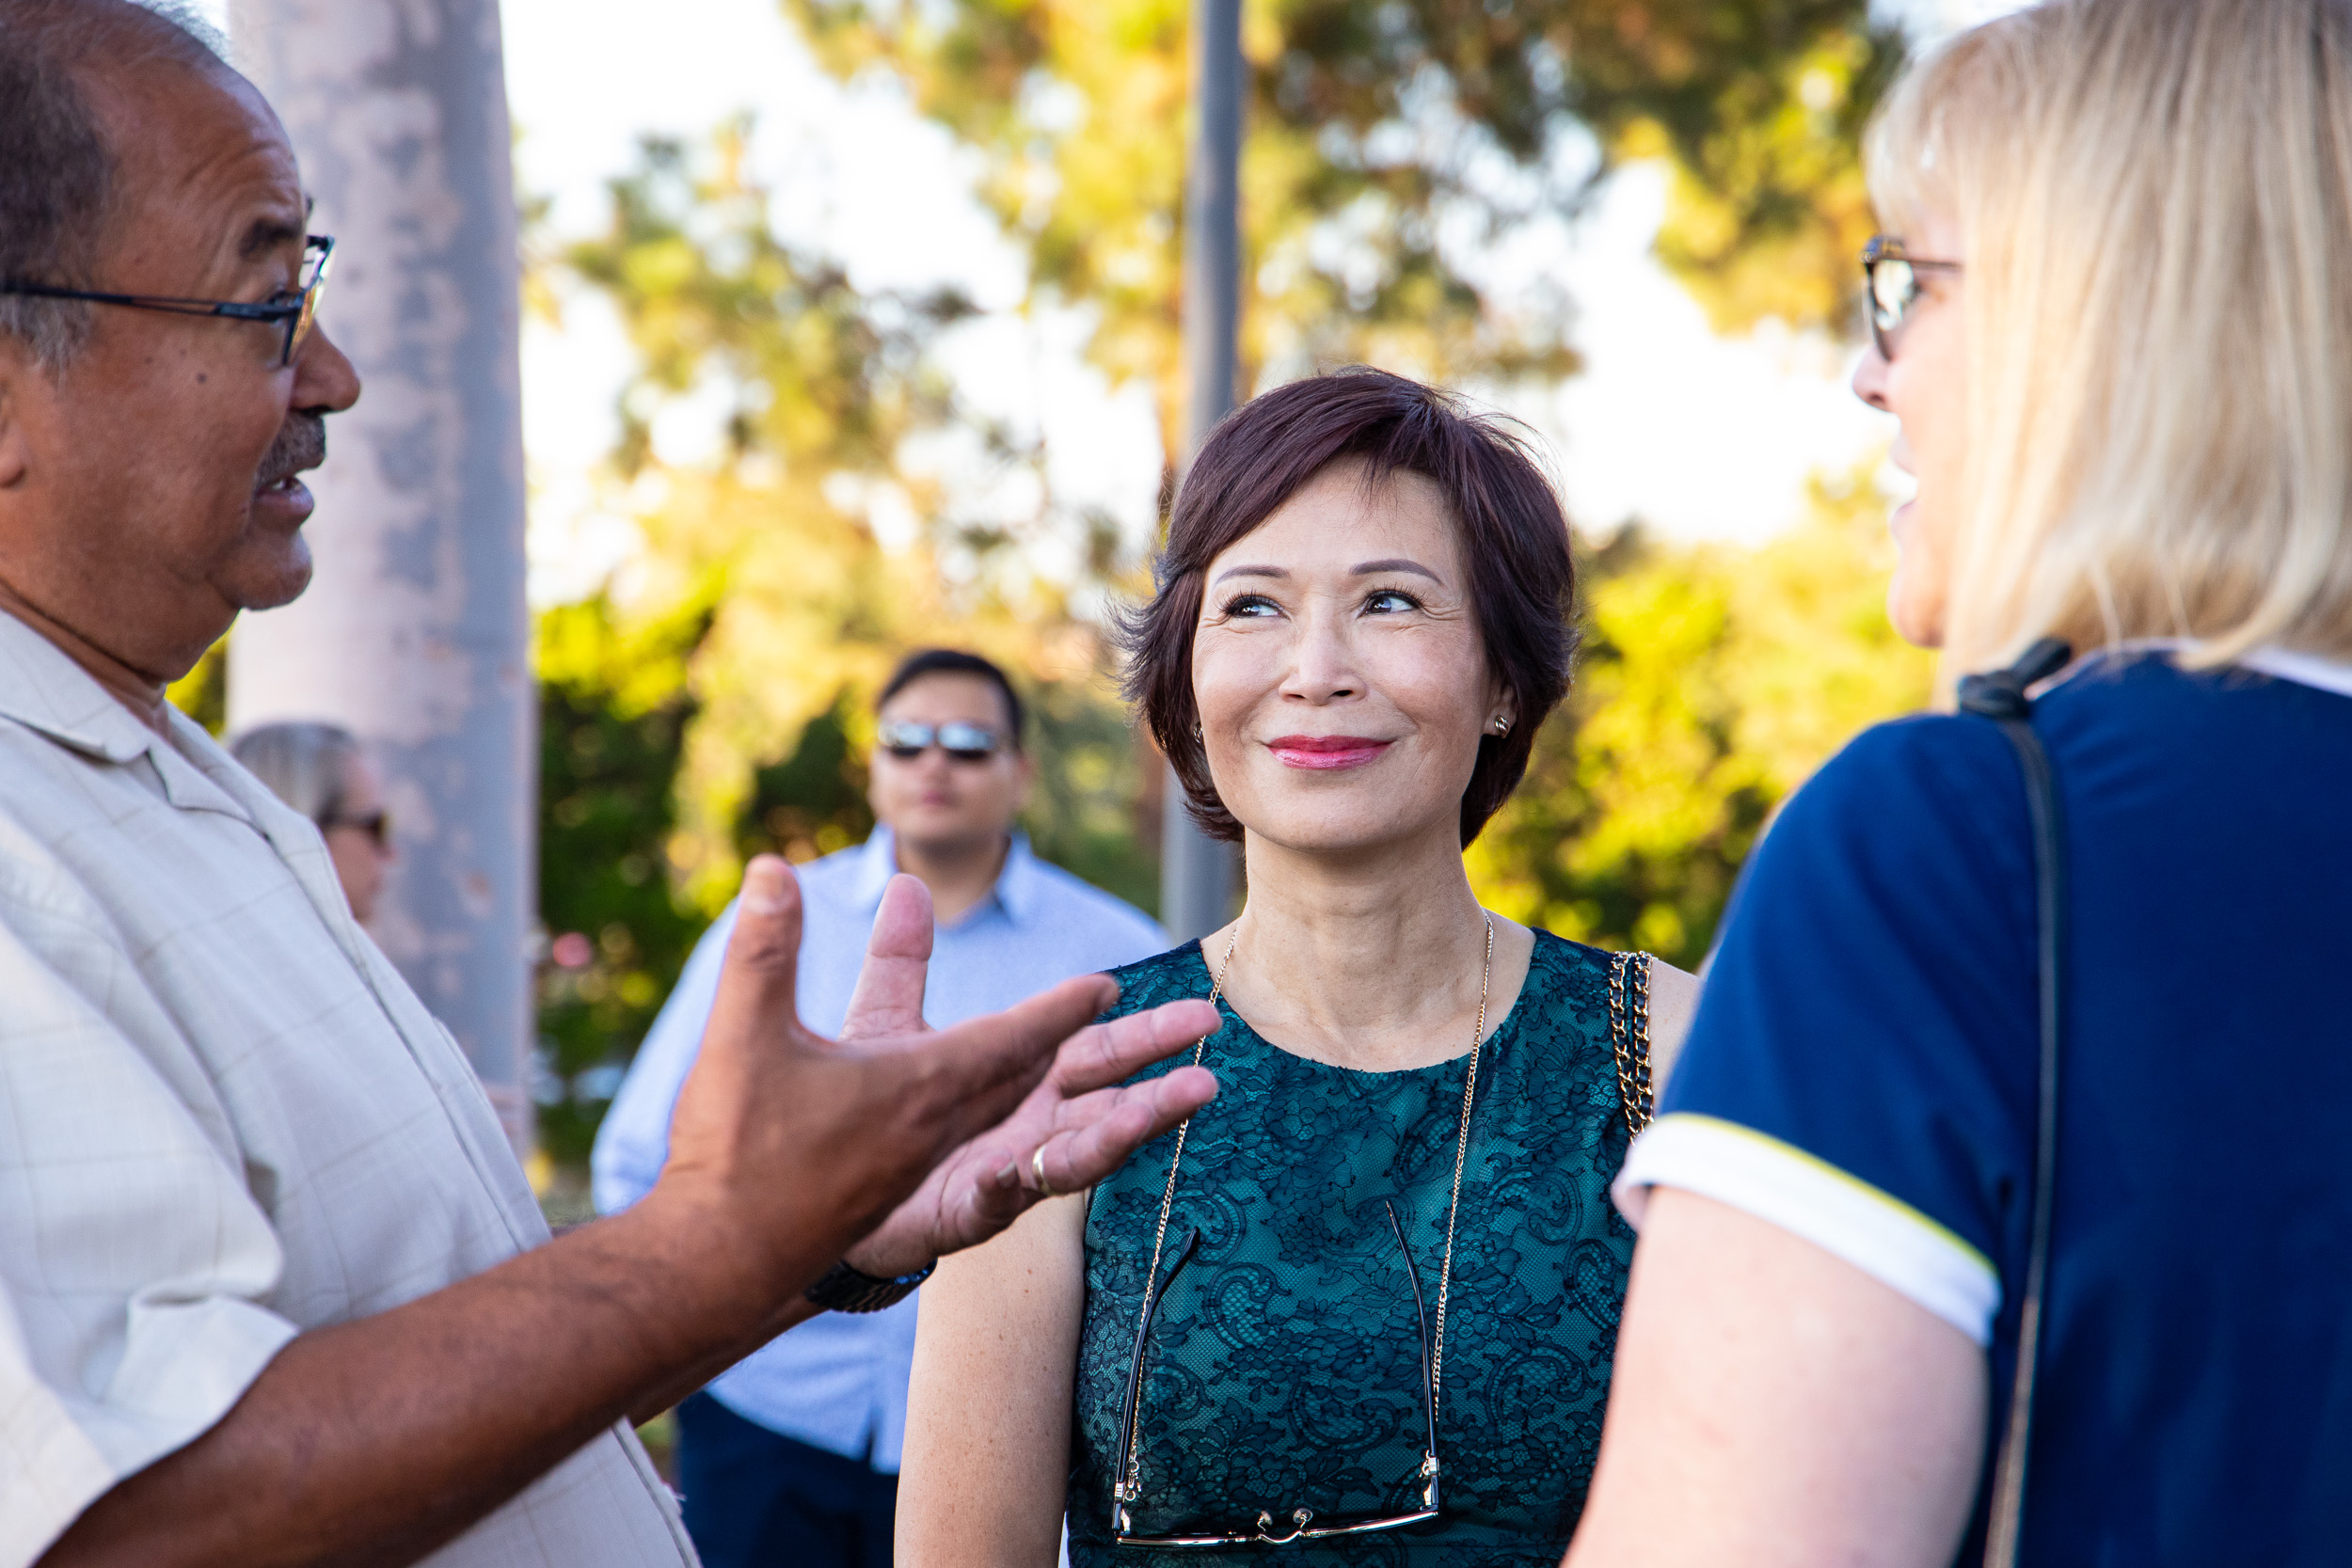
[272,1287]
[791,1458]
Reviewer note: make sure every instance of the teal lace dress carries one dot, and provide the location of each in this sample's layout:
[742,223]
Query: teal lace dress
[1284,1365]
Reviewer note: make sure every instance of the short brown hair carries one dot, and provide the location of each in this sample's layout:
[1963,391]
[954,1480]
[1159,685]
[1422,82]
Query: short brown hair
[1515,541]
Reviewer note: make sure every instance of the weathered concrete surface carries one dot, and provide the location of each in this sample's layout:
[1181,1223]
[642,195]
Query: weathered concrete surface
[415,631]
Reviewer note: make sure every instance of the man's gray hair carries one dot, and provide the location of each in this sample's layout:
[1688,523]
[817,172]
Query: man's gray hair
[57,181]
[304,763]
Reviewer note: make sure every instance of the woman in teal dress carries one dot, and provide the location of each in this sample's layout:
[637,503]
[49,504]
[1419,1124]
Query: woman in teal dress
[1360,1309]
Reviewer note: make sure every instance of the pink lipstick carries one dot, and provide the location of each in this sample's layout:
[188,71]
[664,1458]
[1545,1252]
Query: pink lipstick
[1326,750]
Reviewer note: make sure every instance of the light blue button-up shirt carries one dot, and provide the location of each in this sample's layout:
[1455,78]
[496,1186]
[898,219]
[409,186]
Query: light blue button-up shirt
[839,1381]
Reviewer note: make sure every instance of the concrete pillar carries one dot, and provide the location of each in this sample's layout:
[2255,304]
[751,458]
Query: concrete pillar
[414,632]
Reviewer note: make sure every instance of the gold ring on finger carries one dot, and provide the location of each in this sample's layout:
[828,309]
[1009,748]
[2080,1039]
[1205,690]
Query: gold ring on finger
[1037,1169]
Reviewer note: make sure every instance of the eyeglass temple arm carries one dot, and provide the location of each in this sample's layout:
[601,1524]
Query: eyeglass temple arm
[1429,1405]
[1134,1369]
[231,309]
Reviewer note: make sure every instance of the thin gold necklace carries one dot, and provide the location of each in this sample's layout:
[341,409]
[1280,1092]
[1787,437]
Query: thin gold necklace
[1461,1152]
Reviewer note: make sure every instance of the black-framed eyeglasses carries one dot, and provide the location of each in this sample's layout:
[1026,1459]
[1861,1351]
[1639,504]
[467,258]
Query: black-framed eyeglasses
[376,824]
[1302,1524]
[294,312]
[962,742]
[1890,287]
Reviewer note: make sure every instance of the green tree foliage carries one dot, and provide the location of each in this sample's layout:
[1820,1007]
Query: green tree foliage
[612,714]
[203,693]
[824,385]
[717,702]
[1759,106]
[1713,680]
[1391,147]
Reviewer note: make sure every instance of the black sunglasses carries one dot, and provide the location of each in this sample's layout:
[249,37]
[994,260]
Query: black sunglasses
[1890,287]
[296,312]
[962,741]
[376,824]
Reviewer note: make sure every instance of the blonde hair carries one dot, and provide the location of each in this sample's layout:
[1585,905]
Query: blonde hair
[2156,204]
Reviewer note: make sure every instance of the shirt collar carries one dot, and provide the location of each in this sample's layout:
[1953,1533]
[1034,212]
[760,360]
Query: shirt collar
[877,862]
[2285,664]
[1016,889]
[43,689]
[1017,884]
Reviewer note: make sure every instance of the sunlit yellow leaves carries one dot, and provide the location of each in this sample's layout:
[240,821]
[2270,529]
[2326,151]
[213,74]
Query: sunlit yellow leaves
[1714,681]
[1767,211]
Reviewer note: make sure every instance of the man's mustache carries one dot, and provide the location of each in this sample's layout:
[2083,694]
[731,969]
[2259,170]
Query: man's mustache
[301,444]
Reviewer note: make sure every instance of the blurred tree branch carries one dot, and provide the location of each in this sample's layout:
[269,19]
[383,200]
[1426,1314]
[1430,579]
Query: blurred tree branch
[1391,147]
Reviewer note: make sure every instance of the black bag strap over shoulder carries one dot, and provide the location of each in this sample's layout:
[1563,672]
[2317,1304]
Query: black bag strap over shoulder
[2001,697]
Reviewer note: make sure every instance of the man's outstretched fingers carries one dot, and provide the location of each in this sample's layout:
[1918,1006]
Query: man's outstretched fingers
[889,996]
[1100,1131]
[1114,1051]
[992,1063]
[757,977]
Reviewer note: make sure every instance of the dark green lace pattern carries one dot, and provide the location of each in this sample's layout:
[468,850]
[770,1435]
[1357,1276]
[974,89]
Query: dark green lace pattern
[1281,1369]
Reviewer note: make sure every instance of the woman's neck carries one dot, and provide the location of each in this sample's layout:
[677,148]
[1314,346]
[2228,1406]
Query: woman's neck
[1373,962]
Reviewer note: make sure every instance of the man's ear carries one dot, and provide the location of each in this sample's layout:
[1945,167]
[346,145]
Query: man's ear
[16,458]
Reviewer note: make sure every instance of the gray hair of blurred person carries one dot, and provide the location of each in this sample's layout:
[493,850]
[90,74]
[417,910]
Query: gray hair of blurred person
[57,183]
[305,764]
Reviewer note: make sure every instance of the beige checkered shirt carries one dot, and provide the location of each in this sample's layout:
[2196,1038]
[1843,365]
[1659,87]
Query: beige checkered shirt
[224,1119]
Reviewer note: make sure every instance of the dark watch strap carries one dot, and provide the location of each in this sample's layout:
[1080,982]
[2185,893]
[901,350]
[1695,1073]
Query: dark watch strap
[843,1288]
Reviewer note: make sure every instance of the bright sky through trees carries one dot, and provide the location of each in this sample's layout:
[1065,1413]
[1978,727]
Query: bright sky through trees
[1702,436]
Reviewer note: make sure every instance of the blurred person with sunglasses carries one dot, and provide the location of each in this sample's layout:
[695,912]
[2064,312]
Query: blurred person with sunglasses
[791,1458]
[322,771]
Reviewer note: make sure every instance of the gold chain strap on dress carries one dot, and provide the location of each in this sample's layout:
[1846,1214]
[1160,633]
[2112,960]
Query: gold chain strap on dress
[1131,1486]
[1628,1033]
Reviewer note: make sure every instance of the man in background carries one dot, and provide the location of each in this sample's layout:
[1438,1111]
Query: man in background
[791,1458]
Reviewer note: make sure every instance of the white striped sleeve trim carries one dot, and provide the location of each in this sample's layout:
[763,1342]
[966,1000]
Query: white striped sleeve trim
[1884,1237]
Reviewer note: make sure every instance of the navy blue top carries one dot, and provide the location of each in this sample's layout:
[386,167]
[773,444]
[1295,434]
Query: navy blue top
[1874,1006]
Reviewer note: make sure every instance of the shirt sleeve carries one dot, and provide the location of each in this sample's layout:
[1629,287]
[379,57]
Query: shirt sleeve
[1861,1070]
[134,1258]
[633,1142]
[1134,937]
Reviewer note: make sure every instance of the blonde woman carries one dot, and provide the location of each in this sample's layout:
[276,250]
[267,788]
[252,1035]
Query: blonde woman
[2113,314]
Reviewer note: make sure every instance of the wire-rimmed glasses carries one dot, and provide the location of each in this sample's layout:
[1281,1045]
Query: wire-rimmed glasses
[1303,1524]
[296,311]
[1890,287]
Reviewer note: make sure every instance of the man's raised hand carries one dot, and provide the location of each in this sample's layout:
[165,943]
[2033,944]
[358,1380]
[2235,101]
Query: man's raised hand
[787,1148]
[1085,1125]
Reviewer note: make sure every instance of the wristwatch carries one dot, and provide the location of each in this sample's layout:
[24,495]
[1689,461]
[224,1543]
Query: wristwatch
[843,1288]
